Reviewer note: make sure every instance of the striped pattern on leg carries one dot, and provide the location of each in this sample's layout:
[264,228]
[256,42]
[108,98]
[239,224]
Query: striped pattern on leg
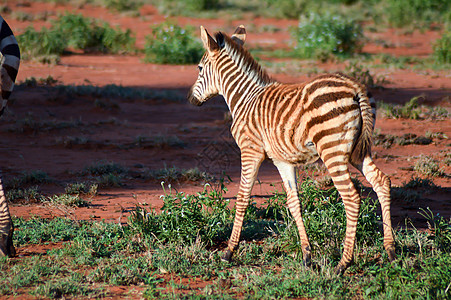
[6,226]
[381,185]
[331,116]
[250,161]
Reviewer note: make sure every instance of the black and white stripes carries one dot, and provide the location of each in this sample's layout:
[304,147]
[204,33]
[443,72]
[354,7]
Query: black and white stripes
[330,117]
[10,60]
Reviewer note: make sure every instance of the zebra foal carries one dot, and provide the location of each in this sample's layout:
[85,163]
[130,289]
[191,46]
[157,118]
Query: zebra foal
[330,117]
[10,60]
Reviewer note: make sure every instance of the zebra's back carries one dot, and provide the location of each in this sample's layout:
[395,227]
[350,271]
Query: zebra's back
[296,122]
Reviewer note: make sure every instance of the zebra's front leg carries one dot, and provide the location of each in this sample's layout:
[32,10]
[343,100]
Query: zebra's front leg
[6,226]
[250,163]
[288,173]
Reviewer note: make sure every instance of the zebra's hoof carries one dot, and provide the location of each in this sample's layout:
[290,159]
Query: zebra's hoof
[307,260]
[340,269]
[307,256]
[391,254]
[227,257]
[6,246]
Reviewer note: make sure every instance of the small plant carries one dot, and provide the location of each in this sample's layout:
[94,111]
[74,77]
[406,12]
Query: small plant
[171,44]
[41,81]
[67,200]
[174,174]
[28,194]
[78,188]
[160,141]
[28,178]
[428,166]
[170,7]
[320,36]
[122,5]
[413,110]
[364,76]
[442,49]
[110,180]
[103,167]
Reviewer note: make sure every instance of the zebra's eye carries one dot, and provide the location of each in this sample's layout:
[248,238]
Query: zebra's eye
[200,68]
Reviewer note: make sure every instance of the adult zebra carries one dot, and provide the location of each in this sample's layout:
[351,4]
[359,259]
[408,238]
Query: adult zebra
[330,117]
[10,61]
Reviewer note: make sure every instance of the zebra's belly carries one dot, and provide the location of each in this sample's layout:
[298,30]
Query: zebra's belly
[300,155]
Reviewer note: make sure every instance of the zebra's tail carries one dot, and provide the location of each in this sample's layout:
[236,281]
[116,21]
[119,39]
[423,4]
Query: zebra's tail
[10,62]
[362,147]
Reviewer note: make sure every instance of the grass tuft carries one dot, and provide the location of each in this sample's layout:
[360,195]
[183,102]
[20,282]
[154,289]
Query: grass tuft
[171,44]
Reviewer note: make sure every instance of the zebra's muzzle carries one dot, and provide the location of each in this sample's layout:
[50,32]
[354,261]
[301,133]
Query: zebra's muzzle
[193,100]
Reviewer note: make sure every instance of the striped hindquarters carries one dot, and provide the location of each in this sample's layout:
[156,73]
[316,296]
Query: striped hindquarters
[340,116]
[10,62]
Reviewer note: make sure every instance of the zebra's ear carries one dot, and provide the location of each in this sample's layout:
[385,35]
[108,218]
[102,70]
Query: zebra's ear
[239,36]
[209,43]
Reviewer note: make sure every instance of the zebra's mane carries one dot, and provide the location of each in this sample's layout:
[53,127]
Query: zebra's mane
[243,59]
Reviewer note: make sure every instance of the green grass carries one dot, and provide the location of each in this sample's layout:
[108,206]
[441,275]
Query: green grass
[183,238]
[181,241]
[76,32]
[171,44]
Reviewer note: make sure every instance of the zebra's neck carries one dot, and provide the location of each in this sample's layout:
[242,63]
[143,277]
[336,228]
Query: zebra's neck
[239,90]
[240,84]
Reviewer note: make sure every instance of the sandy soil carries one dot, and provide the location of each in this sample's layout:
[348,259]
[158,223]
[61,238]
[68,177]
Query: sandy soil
[112,131]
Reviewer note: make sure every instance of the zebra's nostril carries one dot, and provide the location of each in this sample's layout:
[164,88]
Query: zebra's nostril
[193,100]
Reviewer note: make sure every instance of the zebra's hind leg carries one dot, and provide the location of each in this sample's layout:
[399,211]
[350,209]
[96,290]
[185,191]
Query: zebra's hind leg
[288,174]
[339,171]
[250,163]
[381,185]
[6,226]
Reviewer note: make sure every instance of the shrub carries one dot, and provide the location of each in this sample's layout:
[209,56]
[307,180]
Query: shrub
[77,32]
[171,7]
[442,49]
[319,36]
[172,44]
[290,9]
[122,5]
[93,36]
[406,12]
[44,46]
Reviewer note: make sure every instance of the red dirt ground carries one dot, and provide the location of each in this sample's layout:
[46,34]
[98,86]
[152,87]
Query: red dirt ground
[197,127]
